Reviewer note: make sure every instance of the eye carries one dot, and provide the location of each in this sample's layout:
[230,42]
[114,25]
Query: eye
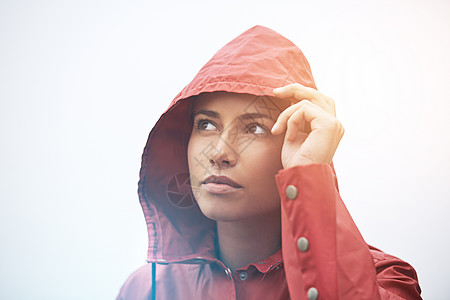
[256,129]
[205,125]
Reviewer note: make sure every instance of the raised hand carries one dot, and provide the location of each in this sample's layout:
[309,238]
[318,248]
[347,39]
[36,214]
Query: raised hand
[312,131]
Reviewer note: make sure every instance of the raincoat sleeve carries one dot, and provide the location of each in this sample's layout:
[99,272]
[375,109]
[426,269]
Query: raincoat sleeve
[324,254]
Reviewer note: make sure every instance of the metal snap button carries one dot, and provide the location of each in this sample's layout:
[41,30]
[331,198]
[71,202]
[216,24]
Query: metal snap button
[303,244]
[291,192]
[243,275]
[313,293]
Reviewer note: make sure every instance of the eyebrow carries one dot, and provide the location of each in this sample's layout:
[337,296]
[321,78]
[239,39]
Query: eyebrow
[209,113]
[245,116]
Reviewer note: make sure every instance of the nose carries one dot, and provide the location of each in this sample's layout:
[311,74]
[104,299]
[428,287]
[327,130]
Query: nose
[224,154]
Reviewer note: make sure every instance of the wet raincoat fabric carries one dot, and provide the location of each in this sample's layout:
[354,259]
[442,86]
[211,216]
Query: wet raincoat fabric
[323,255]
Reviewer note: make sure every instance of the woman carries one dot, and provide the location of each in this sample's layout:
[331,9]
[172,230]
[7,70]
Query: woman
[239,193]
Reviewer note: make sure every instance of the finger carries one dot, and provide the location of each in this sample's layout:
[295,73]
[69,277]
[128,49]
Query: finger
[295,124]
[296,91]
[302,118]
[299,92]
[281,123]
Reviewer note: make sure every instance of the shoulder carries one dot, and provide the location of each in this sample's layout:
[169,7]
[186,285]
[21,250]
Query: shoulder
[395,276]
[384,261]
[138,284]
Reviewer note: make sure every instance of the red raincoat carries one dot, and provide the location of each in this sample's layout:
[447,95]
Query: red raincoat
[323,254]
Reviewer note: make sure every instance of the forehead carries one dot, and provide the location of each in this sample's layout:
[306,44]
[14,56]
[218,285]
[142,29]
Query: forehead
[240,103]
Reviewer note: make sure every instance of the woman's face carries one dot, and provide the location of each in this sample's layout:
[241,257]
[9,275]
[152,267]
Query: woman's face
[233,157]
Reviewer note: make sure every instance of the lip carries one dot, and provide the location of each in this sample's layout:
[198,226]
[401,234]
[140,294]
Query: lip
[220,185]
[221,180]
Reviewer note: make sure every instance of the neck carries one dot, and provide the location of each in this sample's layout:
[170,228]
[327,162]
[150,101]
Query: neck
[247,241]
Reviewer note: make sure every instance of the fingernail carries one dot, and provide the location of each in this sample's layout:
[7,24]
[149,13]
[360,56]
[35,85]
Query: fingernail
[274,128]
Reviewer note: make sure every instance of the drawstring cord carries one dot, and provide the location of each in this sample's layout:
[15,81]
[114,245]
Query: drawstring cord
[153,292]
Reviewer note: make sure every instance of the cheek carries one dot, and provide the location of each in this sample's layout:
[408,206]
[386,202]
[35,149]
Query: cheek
[190,155]
[264,164]
[196,161]
[265,160]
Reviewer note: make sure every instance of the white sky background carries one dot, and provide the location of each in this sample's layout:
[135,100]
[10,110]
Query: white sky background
[82,83]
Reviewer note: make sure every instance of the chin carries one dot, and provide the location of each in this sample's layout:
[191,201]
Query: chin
[230,210]
[222,210]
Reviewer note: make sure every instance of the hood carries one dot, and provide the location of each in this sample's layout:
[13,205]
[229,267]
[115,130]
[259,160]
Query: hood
[255,62]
